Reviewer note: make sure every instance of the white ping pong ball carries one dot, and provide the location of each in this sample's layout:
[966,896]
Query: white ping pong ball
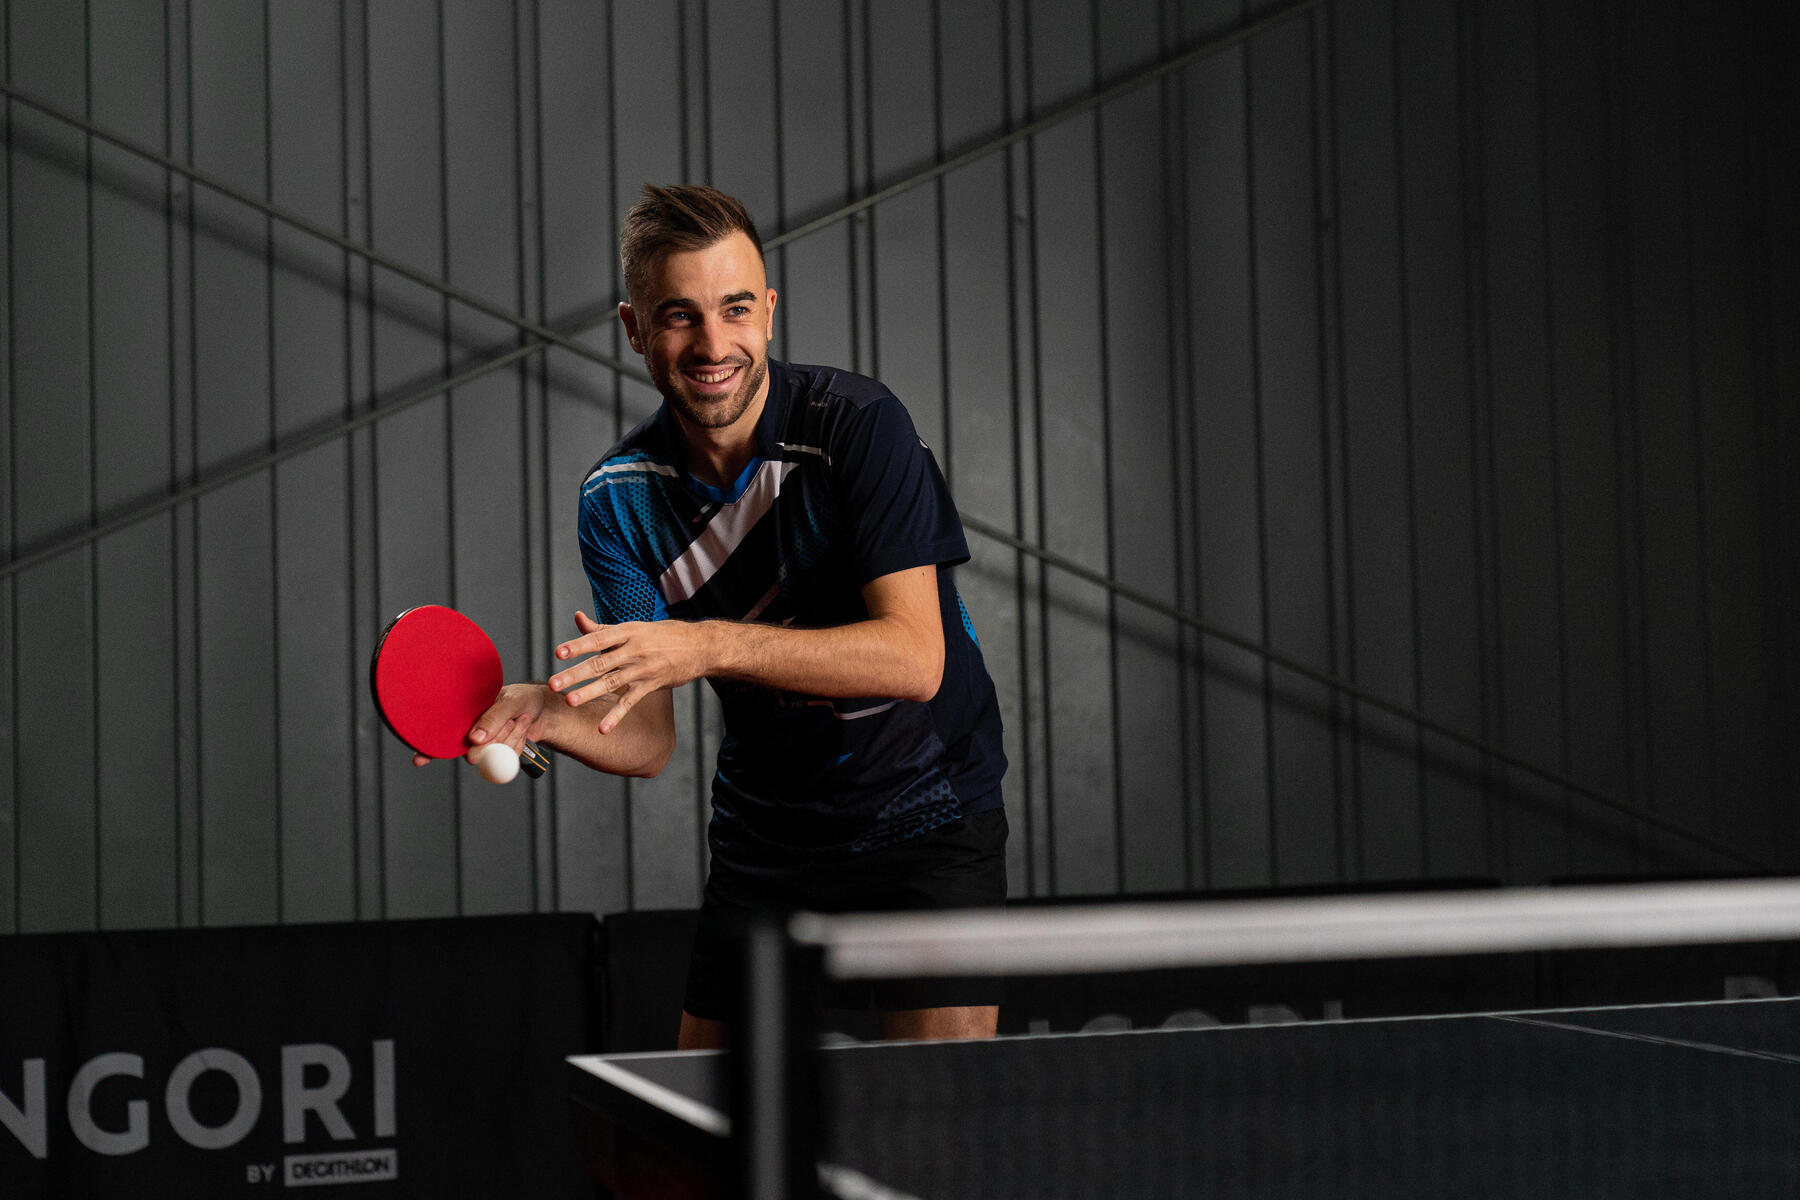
[497,762]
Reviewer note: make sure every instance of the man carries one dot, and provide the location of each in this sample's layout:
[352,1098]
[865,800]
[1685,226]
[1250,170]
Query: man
[781,532]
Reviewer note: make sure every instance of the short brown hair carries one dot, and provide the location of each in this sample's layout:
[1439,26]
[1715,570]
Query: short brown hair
[680,217]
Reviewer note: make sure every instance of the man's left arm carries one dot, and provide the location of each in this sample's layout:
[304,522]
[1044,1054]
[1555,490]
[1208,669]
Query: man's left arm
[897,652]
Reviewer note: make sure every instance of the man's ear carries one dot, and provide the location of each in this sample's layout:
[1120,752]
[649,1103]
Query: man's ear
[628,319]
[769,332]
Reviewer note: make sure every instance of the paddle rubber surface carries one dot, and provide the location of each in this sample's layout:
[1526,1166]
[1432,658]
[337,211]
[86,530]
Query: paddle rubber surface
[434,672]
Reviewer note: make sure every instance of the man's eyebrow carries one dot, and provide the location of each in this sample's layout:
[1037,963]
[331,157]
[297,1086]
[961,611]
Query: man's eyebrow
[684,302]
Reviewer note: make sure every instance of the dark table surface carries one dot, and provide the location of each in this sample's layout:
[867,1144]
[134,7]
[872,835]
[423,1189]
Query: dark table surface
[1653,1101]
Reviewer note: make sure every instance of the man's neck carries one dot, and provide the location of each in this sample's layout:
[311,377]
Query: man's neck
[716,457]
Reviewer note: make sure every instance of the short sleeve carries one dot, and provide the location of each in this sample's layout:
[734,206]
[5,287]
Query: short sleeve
[623,589]
[898,509]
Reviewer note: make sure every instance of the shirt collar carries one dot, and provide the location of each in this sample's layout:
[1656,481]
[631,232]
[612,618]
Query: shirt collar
[768,431]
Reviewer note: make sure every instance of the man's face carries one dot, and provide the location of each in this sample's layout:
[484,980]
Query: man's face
[703,326]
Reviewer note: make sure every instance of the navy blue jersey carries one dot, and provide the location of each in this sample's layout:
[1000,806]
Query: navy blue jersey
[840,491]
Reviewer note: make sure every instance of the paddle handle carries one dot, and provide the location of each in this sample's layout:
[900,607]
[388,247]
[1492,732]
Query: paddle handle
[533,761]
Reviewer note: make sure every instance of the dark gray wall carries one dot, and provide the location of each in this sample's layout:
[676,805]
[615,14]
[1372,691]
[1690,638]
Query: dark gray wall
[1441,349]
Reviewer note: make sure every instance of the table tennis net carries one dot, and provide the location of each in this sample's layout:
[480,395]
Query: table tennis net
[1617,1040]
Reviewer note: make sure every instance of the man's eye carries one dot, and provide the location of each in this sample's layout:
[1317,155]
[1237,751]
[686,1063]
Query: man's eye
[738,310]
[678,318]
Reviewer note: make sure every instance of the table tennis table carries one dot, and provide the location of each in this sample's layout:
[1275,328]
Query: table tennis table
[1669,1100]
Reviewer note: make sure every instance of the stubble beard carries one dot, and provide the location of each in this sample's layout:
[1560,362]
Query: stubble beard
[715,414]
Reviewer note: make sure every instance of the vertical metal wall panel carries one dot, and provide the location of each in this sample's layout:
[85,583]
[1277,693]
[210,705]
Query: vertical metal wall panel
[131,285]
[816,313]
[1237,818]
[694,50]
[1456,813]
[1336,708]
[9,626]
[742,99]
[1629,497]
[51,415]
[52,426]
[534,615]
[317,681]
[1377,398]
[1030,792]
[421,849]
[10,806]
[1715,137]
[1293,521]
[581,419]
[1146,673]
[238,721]
[1581,389]
[230,113]
[136,850]
[373,745]
[1079,664]
[1782,364]
[1523,567]
[1674,642]
[651,129]
[481,110]
[859,56]
[907,318]
[57,881]
[981,331]
[1190,746]
[183,448]
[1775,191]
[136,816]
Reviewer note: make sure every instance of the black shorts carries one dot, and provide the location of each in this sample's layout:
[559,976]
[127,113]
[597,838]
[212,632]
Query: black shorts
[959,865]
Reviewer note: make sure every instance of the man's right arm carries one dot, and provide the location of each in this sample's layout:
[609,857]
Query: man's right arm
[640,745]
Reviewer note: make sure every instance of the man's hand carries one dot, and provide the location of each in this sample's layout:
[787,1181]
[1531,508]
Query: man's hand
[629,662]
[516,716]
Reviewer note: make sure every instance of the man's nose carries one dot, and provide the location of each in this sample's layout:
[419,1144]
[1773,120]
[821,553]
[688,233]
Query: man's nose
[709,339]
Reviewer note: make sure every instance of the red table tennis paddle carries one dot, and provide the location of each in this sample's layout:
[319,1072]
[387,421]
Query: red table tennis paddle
[434,672]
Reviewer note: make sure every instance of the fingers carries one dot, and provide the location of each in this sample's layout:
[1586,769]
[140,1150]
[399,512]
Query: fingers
[603,683]
[623,705]
[575,678]
[514,732]
[510,718]
[514,738]
[594,636]
[595,641]
[620,666]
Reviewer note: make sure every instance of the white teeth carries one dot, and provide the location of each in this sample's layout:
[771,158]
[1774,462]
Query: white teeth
[711,376]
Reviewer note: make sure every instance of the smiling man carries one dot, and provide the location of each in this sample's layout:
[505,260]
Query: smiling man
[780,531]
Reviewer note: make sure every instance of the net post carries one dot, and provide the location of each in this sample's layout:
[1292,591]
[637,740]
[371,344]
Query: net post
[775,1092]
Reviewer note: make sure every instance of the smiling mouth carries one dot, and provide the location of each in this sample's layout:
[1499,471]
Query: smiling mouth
[710,376]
